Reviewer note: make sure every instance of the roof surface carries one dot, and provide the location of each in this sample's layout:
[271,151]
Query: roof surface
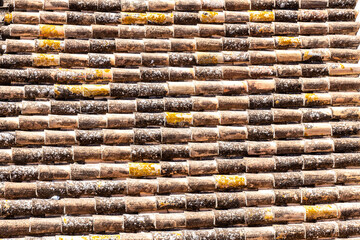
[179,119]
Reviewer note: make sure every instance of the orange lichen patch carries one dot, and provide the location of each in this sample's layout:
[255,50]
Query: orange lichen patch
[205,58]
[289,41]
[262,29]
[318,98]
[281,236]
[307,55]
[178,118]
[321,212]
[269,215]
[144,169]
[163,204]
[157,18]
[52,31]
[229,182]
[343,69]
[208,17]
[99,184]
[45,60]
[6,205]
[8,18]
[175,235]
[98,74]
[75,89]
[262,16]
[93,90]
[49,45]
[308,132]
[104,237]
[133,18]
[311,97]
[107,74]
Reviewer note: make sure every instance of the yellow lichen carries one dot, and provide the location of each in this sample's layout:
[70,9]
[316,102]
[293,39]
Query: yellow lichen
[320,212]
[231,181]
[163,204]
[49,45]
[208,17]
[92,90]
[158,18]
[144,169]
[281,236]
[289,41]
[75,89]
[206,58]
[65,238]
[98,74]
[8,18]
[45,60]
[262,16]
[262,30]
[306,131]
[269,216]
[51,31]
[6,205]
[307,55]
[107,75]
[178,118]
[134,18]
[325,197]
[104,237]
[311,97]
[176,233]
